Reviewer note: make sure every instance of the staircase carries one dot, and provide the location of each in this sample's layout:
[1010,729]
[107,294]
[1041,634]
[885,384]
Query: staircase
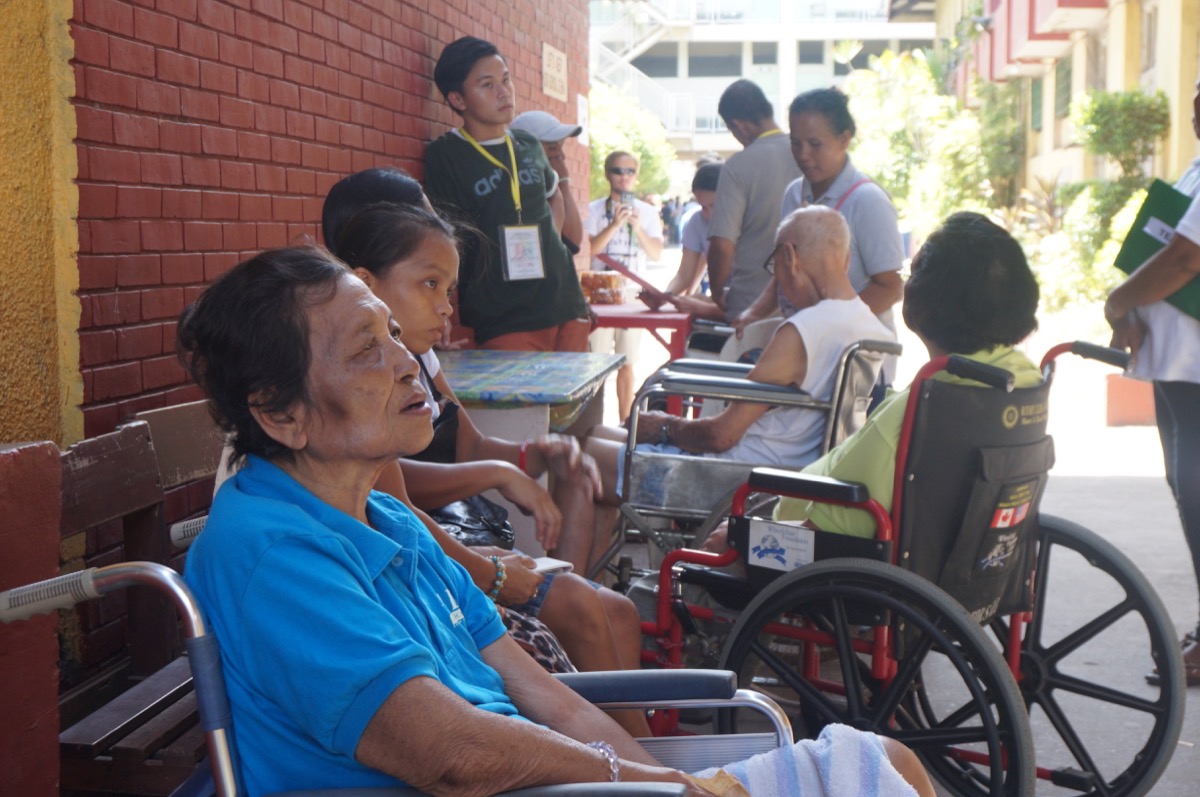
[625,29]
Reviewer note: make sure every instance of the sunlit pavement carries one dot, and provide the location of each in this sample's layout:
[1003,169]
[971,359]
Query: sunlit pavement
[1108,479]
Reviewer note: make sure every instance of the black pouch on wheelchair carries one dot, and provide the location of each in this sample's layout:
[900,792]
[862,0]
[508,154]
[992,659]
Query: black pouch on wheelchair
[476,521]
[988,566]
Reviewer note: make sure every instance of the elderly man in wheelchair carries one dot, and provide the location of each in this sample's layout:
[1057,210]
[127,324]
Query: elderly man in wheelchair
[800,372]
[356,655]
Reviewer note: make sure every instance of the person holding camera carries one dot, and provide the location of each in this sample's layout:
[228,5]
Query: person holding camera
[629,231]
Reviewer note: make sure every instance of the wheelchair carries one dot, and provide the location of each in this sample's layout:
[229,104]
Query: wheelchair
[673,500]
[951,630]
[652,690]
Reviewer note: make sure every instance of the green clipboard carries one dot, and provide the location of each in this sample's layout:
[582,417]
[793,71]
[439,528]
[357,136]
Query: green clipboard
[1153,227]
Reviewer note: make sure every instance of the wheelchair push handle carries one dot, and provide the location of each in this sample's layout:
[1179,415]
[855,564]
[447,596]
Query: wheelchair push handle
[989,375]
[1117,358]
[1105,354]
[43,597]
[881,347]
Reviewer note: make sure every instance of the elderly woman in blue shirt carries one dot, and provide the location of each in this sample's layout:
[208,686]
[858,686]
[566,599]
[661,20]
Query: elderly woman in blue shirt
[356,654]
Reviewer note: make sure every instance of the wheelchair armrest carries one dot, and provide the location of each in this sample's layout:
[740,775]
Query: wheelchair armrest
[709,325]
[734,389]
[689,365]
[602,790]
[803,485]
[560,790]
[629,686]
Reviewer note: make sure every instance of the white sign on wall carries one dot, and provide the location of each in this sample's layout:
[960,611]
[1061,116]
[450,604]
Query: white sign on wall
[554,72]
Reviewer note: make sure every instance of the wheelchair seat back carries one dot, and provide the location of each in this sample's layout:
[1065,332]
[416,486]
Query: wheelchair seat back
[858,372]
[973,477]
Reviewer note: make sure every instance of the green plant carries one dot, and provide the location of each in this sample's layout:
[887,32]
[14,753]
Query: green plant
[897,109]
[619,123]
[1040,209]
[1074,262]
[1002,139]
[1089,214]
[1123,125]
[845,50]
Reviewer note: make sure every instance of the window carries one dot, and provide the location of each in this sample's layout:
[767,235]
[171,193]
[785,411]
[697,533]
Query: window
[661,60]
[764,53]
[1035,104]
[1062,89]
[909,45]
[715,59]
[812,52]
[1149,37]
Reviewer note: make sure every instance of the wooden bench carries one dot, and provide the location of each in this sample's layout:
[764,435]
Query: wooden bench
[147,739]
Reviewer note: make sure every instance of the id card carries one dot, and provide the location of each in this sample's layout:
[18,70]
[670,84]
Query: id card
[522,248]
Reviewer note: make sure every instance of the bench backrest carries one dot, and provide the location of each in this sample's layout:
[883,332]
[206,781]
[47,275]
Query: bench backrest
[187,442]
[115,477]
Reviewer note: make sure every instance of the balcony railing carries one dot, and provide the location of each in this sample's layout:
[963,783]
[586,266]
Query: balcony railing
[733,12]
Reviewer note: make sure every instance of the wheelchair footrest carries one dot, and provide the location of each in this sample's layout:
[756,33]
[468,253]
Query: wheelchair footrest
[1074,779]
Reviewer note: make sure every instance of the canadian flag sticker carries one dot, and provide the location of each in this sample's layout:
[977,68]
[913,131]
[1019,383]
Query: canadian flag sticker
[1006,517]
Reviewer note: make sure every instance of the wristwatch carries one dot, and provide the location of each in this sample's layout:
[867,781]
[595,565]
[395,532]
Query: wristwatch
[664,432]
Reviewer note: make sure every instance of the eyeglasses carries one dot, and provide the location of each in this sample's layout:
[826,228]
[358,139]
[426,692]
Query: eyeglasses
[769,266]
[624,171]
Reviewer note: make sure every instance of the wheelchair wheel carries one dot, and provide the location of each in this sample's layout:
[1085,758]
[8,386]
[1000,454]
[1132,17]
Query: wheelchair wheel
[1083,664]
[807,642]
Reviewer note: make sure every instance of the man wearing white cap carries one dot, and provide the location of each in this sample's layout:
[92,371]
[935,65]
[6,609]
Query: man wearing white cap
[553,134]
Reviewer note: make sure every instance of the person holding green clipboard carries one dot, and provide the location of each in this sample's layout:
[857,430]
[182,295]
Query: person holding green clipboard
[1155,314]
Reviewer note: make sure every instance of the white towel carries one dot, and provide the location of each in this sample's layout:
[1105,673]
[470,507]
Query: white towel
[841,762]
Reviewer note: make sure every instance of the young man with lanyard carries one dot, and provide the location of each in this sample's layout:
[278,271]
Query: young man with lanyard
[746,214]
[518,288]
[629,231]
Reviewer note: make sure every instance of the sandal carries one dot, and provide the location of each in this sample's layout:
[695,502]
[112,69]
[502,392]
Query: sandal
[1191,669]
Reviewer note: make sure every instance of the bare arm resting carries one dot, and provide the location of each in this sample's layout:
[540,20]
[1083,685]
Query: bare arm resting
[462,750]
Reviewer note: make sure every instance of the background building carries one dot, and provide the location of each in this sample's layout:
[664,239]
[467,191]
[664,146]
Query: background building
[1060,49]
[677,56]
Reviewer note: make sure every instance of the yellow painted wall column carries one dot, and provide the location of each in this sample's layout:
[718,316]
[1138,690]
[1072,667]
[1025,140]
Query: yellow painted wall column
[1085,165]
[1124,57]
[1176,73]
[40,385]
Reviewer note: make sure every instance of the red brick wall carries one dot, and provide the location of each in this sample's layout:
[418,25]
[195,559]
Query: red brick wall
[210,129]
[30,476]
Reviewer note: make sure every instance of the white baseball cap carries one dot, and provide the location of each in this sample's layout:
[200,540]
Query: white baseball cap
[545,126]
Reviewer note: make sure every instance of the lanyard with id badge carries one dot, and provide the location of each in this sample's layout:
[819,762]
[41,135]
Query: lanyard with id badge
[520,244]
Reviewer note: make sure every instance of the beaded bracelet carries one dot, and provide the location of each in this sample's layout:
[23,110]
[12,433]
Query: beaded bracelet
[610,755]
[501,577]
[521,460]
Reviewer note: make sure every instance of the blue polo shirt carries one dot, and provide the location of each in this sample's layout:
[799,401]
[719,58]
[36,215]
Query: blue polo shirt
[320,618]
